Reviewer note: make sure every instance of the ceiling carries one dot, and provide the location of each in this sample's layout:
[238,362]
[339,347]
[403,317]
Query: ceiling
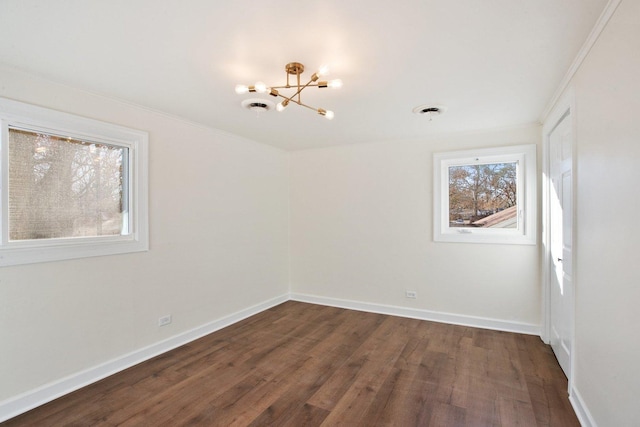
[492,63]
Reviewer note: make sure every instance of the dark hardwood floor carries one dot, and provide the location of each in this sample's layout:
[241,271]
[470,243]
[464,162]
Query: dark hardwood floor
[306,365]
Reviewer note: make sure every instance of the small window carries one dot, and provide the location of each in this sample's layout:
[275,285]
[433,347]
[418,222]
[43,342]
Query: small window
[486,195]
[71,187]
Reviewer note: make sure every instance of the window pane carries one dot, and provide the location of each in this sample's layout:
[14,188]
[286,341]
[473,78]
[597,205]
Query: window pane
[483,195]
[63,187]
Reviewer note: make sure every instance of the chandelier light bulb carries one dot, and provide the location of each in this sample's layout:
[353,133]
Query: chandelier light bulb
[282,105]
[323,70]
[335,84]
[260,87]
[240,89]
[328,114]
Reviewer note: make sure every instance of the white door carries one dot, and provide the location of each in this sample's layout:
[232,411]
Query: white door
[561,213]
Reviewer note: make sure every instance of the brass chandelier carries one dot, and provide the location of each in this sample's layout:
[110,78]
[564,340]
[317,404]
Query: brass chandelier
[295,69]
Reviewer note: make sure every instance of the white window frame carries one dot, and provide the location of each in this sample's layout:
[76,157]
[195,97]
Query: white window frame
[136,237]
[526,194]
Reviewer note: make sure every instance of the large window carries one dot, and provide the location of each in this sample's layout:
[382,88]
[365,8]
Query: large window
[486,195]
[71,187]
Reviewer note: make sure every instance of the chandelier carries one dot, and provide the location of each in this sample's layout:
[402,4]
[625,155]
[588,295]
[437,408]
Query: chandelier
[295,69]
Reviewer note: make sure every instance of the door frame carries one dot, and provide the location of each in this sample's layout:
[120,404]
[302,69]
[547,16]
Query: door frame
[564,106]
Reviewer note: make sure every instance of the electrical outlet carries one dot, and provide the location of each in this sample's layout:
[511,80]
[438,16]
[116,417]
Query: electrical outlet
[410,294]
[164,320]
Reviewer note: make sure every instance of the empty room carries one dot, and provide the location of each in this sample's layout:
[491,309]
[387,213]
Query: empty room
[319,213]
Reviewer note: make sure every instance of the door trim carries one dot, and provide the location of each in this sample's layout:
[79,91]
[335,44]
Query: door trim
[564,106]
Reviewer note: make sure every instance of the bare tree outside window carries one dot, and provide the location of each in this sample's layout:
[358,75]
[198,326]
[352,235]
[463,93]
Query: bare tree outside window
[483,195]
[63,187]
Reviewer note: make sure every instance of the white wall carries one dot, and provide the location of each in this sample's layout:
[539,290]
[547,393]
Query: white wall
[362,230]
[218,239]
[607,345]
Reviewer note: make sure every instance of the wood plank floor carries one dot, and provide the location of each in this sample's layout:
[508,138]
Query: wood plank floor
[308,365]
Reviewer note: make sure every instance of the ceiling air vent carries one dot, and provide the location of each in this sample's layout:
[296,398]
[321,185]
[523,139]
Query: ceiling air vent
[430,111]
[258,105]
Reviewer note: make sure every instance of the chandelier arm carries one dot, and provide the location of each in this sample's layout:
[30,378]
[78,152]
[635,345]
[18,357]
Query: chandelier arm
[298,102]
[287,98]
[308,106]
[311,84]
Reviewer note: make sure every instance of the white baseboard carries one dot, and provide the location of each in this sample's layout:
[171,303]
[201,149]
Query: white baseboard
[34,398]
[435,316]
[580,408]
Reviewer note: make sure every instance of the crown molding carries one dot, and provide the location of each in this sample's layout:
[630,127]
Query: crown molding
[600,25]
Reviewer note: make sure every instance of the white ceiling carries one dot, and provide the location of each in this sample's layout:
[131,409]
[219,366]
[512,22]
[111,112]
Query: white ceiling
[493,63]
